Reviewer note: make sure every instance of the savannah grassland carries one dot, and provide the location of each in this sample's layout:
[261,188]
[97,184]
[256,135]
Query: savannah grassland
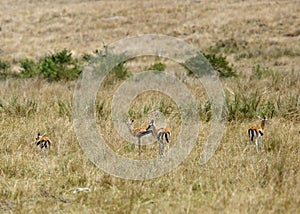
[256,37]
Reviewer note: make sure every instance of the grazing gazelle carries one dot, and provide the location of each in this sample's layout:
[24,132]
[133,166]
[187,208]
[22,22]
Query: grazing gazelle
[160,134]
[43,142]
[256,132]
[138,132]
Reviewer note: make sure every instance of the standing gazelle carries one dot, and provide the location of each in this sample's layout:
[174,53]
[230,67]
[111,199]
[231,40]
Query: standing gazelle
[138,132]
[43,142]
[160,134]
[256,132]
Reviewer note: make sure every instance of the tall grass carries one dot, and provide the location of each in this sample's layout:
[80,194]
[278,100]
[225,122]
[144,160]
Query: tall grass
[236,179]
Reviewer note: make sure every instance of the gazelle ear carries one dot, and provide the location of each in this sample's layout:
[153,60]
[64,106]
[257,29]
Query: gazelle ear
[259,117]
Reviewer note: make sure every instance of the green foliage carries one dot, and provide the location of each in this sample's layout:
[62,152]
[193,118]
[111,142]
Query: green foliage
[243,105]
[4,66]
[60,66]
[158,66]
[29,68]
[248,105]
[198,64]
[204,63]
[120,72]
[221,65]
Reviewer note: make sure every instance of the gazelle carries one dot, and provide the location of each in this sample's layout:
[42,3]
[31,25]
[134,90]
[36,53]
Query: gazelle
[256,132]
[160,134]
[138,132]
[43,142]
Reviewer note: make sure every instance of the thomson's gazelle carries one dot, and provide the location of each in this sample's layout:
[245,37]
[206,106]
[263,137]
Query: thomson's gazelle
[256,132]
[160,134]
[138,132]
[43,142]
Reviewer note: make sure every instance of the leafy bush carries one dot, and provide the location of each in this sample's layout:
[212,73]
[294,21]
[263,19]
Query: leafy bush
[120,72]
[60,66]
[221,65]
[29,68]
[209,61]
[4,66]
[157,67]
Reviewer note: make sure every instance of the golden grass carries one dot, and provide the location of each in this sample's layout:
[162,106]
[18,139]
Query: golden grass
[235,180]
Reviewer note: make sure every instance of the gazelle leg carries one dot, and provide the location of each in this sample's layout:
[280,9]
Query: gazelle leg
[168,141]
[161,148]
[250,138]
[139,144]
[257,144]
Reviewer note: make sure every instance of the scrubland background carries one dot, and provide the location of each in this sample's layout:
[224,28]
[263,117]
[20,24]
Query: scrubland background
[259,40]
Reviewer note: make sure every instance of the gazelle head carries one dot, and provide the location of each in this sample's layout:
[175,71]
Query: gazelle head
[39,136]
[264,121]
[129,122]
[151,125]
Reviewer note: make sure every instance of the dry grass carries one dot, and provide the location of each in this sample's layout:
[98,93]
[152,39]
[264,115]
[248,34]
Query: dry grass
[235,180]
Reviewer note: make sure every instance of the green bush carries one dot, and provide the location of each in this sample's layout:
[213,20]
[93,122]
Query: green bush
[158,66]
[120,72]
[60,66]
[208,62]
[221,65]
[29,68]
[4,66]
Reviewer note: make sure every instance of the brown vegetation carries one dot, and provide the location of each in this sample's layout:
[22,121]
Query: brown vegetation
[250,34]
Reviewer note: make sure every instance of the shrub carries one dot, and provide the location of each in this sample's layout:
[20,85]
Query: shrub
[120,72]
[208,62]
[29,68]
[4,66]
[221,65]
[157,67]
[60,66]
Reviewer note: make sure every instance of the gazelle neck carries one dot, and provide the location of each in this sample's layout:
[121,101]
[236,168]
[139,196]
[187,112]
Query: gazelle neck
[129,125]
[153,127]
[263,123]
